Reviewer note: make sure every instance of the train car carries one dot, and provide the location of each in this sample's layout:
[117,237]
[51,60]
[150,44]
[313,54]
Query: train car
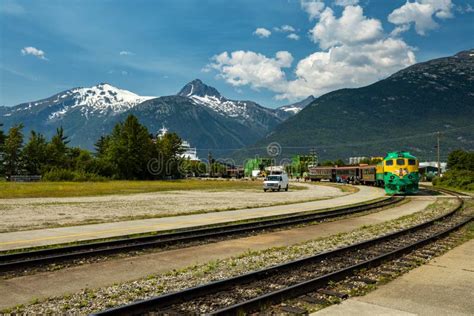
[347,174]
[400,173]
[367,174]
[322,173]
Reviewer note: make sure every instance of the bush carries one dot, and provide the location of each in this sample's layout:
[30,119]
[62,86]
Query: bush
[461,179]
[68,175]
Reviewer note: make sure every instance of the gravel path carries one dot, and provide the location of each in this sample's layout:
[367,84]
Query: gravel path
[34,213]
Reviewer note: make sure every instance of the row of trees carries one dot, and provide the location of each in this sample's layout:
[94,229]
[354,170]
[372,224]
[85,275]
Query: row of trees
[129,152]
[460,172]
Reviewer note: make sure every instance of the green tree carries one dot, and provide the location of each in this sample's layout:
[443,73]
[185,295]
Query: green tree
[327,163]
[169,148]
[130,149]
[35,153]
[339,162]
[101,145]
[2,144]
[57,150]
[461,160]
[12,150]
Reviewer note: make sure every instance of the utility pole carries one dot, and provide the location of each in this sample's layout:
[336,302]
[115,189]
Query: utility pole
[439,163]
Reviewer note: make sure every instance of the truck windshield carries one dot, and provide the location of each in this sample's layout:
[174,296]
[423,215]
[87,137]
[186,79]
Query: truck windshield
[273,178]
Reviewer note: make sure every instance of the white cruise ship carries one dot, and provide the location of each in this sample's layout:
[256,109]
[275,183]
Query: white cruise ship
[188,151]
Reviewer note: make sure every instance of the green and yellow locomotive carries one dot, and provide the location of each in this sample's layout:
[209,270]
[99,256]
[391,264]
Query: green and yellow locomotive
[398,172]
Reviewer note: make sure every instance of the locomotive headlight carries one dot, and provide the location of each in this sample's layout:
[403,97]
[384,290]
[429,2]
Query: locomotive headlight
[392,177]
[410,177]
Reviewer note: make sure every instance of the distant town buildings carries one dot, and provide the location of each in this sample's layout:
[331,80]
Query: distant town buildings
[356,160]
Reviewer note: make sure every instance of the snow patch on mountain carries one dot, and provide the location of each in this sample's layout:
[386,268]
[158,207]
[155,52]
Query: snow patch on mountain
[235,109]
[102,99]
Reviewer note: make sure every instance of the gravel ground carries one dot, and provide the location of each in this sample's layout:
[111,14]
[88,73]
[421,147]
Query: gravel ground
[34,213]
[87,301]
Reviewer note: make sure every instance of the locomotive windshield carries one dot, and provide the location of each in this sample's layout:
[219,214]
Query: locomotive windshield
[400,162]
[411,162]
[389,163]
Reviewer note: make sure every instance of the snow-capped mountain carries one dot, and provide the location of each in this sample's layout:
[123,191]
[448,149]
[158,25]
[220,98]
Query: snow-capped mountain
[102,99]
[298,106]
[199,113]
[207,96]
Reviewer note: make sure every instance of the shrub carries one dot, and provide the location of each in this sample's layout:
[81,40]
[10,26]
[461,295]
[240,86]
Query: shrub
[461,179]
[68,175]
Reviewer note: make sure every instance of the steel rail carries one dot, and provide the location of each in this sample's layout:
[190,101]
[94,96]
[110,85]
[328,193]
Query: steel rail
[13,261]
[165,301]
[446,191]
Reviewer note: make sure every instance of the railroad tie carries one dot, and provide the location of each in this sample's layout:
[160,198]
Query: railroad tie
[314,300]
[294,310]
[333,293]
[367,280]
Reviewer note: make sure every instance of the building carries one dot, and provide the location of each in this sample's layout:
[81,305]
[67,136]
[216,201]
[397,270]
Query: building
[356,160]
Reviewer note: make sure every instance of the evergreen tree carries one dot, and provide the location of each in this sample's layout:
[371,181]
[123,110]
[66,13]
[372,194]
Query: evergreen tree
[101,146]
[461,160]
[130,149]
[57,150]
[169,148]
[35,153]
[12,150]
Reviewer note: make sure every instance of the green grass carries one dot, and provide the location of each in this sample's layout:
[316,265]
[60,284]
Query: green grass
[74,189]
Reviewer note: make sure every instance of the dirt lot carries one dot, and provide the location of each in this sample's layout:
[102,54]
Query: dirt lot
[32,213]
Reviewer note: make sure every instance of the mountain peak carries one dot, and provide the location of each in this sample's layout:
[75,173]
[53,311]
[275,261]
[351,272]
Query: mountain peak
[198,88]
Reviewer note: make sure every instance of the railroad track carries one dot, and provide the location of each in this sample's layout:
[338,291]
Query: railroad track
[250,292]
[445,191]
[28,259]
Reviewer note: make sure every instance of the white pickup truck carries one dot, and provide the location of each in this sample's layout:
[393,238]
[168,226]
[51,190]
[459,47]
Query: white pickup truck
[276,182]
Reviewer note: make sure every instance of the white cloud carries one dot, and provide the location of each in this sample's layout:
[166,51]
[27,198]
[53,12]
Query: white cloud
[34,52]
[345,3]
[421,14]
[348,67]
[356,52]
[262,32]
[313,8]
[285,28]
[351,28]
[242,68]
[293,36]
[126,53]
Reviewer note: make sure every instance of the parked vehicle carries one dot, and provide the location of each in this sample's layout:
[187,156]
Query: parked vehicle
[276,182]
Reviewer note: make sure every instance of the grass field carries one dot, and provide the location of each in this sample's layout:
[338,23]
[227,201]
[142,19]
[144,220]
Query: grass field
[73,189]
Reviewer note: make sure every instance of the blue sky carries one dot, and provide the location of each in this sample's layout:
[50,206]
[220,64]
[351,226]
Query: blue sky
[155,47]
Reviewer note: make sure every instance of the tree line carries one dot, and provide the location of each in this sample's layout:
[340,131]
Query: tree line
[460,172]
[129,152]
